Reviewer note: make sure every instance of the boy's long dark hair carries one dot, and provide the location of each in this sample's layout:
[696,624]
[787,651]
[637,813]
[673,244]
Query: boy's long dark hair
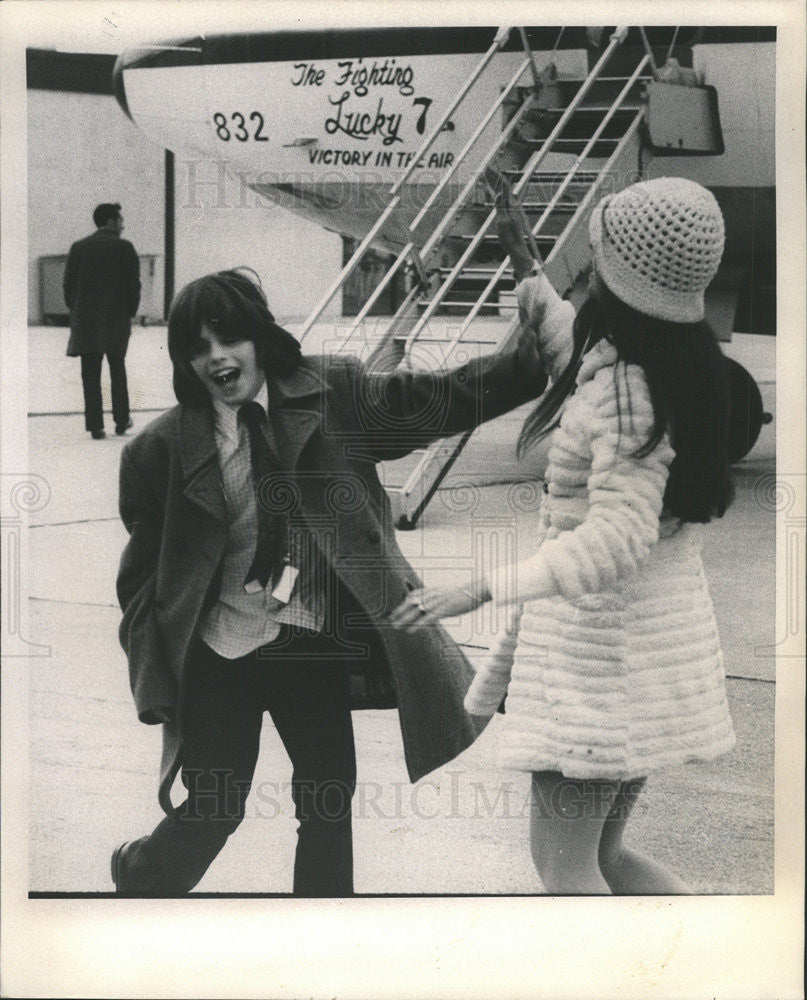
[234,305]
[687,377]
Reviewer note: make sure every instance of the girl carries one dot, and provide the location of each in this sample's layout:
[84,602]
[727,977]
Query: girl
[612,665]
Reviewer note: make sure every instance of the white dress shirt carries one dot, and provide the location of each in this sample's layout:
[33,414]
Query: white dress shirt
[240,622]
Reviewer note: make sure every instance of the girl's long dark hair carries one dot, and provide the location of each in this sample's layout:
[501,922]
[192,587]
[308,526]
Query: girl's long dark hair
[233,304]
[687,377]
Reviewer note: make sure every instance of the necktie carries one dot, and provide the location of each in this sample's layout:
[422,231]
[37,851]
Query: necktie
[271,542]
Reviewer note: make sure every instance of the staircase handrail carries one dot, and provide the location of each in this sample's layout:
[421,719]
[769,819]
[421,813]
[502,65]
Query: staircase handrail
[468,145]
[376,294]
[582,207]
[567,180]
[411,248]
[530,167]
[357,255]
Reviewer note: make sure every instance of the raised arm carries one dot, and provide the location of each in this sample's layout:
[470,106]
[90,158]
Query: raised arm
[540,308]
[403,410]
[551,320]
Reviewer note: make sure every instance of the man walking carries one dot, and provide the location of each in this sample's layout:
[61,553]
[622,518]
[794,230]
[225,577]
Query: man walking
[102,292]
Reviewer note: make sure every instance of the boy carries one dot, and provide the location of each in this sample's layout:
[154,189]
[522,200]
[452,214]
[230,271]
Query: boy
[260,569]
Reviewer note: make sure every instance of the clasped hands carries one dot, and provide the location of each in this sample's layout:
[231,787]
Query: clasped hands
[429,604]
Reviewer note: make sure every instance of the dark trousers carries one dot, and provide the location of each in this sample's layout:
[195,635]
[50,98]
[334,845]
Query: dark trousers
[307,696]
[91,382]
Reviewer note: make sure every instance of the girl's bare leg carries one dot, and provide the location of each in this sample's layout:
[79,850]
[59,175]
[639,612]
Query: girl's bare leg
[625,870]
[566,823]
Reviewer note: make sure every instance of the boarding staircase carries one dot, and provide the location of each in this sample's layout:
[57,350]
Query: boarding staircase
[563,144]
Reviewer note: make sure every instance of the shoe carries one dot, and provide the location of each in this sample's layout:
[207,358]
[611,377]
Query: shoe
[98,435]
[121,429]
[116,864]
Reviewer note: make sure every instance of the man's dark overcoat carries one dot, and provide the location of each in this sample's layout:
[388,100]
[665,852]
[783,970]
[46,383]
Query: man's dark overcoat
[102,292]
[336,421]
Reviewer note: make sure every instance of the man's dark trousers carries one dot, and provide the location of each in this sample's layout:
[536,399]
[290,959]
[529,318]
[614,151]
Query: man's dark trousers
[306,692]
[91,382]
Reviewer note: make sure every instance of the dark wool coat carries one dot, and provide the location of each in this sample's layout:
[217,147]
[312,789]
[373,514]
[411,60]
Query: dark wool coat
[102,292]
[337,421]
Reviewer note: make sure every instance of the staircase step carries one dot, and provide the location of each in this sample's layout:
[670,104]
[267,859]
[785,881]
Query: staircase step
[583,126]
[556,177]
[507,303]
[584,114]
[623,111]
[491,239]
[553,225]
[502,294]
[475,273]
[563,207]
[602,147]
[542,185]
[447,339]
[605,90]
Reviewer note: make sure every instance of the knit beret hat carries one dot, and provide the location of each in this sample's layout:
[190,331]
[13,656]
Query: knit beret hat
[657,245]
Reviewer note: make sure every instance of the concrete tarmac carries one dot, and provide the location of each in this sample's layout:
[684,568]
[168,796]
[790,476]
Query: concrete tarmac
[463,829]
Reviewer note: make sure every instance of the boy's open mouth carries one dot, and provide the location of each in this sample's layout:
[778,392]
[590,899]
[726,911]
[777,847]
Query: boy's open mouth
[223,378]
